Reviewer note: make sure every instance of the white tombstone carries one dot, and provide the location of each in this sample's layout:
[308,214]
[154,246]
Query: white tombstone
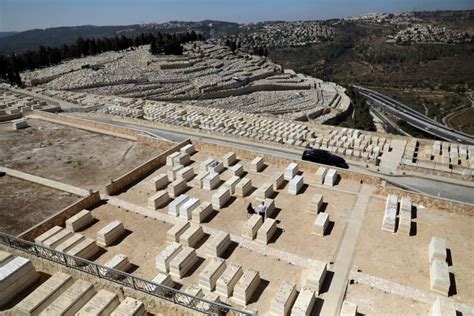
[330,178]
[246,286]
[229,159]
[316,276]
[186,209]
[256,165]
[320,174]
[173,207]
[295,185]
[220,198]
[291,171]
[439,277]
[315,204]
[157,200]
[437,249]
[321,224]
[283,300]
[304,303]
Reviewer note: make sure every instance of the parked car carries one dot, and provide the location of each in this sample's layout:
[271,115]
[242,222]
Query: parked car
[324,157]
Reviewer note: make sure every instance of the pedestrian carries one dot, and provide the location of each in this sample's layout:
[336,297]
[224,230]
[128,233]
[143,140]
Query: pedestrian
[250,210]
[261,210]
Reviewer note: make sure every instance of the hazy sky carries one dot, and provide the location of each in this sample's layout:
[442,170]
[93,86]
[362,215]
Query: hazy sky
[19,15]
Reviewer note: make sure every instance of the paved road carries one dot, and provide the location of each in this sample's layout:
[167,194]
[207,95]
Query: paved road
[435,188]
[415,118]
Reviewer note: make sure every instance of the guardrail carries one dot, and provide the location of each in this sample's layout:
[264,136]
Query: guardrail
[124,279]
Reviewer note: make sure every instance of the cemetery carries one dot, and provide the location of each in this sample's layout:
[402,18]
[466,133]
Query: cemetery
[184,225]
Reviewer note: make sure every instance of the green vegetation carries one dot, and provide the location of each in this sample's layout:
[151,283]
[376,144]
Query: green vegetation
[170,44]
[358,116]
[12,65]
[413,131]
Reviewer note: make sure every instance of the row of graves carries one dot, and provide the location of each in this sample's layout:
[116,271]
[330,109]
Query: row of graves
[440,156]
[398,219]
[353,144]
[60,293]
[348,142]
[14,105]
[222,280]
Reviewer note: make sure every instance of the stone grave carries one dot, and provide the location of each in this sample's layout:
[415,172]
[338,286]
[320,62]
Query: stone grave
[176,231]
[158,200]
[202,212]
[110,233]
[315,204]
[295,185]
[162,261]
[246,286]
[183,262]
[173,207]
[266,231]
[211,273]
[243,188]
[192,236]
[291,171]
[79,221]
[320,224]
[283,300]
[218,244]
[252,226]
[227,281]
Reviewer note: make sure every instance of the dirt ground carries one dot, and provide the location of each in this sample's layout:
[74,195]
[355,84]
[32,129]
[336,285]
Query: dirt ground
[145,238]
[404,259]
[24,204]
[291,213]
[372,301]
[77,157]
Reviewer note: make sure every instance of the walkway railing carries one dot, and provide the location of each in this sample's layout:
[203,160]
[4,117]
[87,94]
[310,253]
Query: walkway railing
[160,291]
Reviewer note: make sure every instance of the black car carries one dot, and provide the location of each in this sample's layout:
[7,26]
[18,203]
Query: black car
[324,157]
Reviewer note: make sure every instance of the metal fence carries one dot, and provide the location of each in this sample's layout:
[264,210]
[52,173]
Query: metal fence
[160,291]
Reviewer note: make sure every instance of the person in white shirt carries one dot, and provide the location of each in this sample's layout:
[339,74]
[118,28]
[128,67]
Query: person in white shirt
[262,209]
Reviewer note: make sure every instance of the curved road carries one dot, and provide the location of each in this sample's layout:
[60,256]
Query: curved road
[415,118]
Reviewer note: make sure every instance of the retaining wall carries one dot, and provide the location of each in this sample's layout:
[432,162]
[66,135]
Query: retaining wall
[142,170]
[46,182]
[93,126]
[59,219]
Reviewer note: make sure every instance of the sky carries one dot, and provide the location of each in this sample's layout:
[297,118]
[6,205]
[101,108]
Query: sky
[20,15]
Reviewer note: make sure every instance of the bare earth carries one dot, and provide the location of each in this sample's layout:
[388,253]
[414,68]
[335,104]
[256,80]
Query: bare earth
[24,204]
[73,156]
[404,259]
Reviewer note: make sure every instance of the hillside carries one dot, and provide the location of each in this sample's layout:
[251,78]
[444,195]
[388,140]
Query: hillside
[58,36]
[432,78]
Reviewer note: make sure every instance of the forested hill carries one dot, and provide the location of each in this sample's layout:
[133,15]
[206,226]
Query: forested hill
[57,36]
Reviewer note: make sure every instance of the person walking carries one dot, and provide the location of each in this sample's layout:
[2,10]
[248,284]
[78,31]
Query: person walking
[262,208]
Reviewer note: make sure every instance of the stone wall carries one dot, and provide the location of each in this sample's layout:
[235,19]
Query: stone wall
[88,125]
[255,88]
[46,182]
[59,219]
[153,304]
[9,117]
[141,171]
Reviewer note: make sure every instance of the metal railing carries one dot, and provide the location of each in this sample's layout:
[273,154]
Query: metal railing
[157,290]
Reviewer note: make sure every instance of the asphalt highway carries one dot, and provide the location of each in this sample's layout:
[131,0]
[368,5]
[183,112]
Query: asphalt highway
[415,118]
